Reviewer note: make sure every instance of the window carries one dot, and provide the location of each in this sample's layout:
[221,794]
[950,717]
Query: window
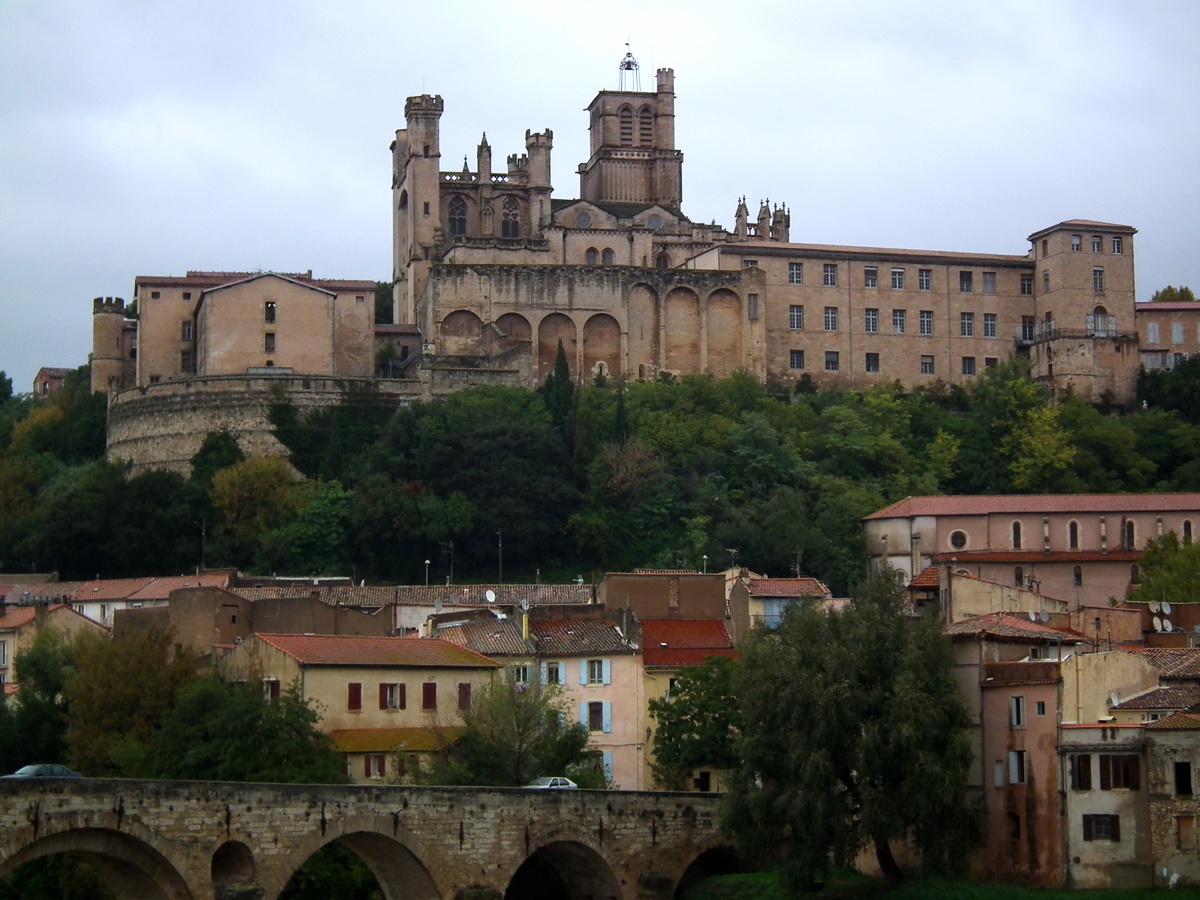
[392,696]
[1016,712]
[871,320]
[1187,531]
[269,311]
[830,276]
[269,342]
[595,716]
[968,365]
[752,307]
[1077,575]
[989,282]
[872,362]
[1185,832]
[990,362]
[832,361]
[1040,708]
[464,695]
[1097,244]
[606,257]
[592,257]
[1177,333]
[429,695]
[966,282]
[552,673]
[749,263]
[870,277]
[925,279]
[899,321]
[185,331]
[1098,279]
[1016,535]
[1081,772]
[510,218]
[662,261]
[519,674]
[1152,332]
[187,362]
[1135,575]
[1130,535]
[187,295]
[154,295]
[1073,535]
[1045,279]
[354,695]
[795,273]
[796,359]
[3,653]
[989,325]
[1028,328]
[374,765]
[897,279]
[796,318]
[1076,243]
[1026,285]
[1101,828]
[1045,247]
[927,365]
[1118,246]
[958,539]
[966,324]
[831,318]
[1183,778]
[646,128]
[595,671]
[925,320]
[458,216]
[1014,827]
[1016,766]
[1119,772]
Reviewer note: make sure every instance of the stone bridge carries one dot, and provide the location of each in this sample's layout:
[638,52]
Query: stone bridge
[185,840]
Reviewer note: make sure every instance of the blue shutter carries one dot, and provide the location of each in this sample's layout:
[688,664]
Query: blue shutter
[607,713]
[608,671]
[608,769]
[583,671]
[544,673]
[583,716]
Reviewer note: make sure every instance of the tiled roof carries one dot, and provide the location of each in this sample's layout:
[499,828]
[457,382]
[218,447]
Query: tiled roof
[1084,223]
[1167,306]
[336,650]
[788,587]
[110,589]
[926,578]
[42,590]
[1037,556]
[505,594]
[384,740]
[775,248]
[214,279]
[1172,662]
[685,633]
[16,616]
[1180,721]
[577,637]
[978,505]
[500,637]
[160,588]
[397,329]
[1005,625]
[1164,698]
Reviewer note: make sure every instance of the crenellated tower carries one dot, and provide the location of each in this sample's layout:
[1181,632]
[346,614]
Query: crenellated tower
[416,210]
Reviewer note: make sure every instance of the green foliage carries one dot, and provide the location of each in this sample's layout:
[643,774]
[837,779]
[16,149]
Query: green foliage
[511,734]
[33,723]
[313,537]
[6,387]
[220,730]
[855,735]
[1177,388]
[334,872]
[325,442]
[219,450]
[698,724]
[383,303]
[1171,294]
[1169,570]
[58,877]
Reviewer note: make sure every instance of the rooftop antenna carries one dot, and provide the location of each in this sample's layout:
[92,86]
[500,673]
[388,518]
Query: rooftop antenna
[629,65]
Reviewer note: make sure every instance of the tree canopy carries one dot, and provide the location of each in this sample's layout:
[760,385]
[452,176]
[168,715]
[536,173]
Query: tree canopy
[855,735]
[1172,294]
[699,724]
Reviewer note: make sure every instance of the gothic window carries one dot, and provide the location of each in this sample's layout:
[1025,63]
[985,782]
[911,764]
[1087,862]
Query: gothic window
[1016,535]
[1073,536]
[592,257]
[646,127]
[625,117]
[606,257]
[458,216]
[1130,536]
[662,261]
[510,224]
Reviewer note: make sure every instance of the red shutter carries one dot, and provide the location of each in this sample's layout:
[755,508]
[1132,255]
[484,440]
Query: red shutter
[383,692]
[401,701]
[367,764]
[354,695]
[382,760]
[464,696]
[429,695]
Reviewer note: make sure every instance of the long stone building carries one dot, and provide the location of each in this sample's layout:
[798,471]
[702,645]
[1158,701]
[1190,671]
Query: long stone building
[491,271]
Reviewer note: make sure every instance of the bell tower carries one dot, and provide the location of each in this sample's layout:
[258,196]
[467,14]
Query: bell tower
[416,210]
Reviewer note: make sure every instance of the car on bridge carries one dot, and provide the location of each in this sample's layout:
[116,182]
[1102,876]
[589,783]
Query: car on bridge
[43,770]
[553,784]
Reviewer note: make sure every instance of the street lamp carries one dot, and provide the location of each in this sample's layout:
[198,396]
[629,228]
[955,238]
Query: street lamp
[705,558]
[426,573]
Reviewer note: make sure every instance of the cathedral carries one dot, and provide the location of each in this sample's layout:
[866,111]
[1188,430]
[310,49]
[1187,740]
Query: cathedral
[492,271]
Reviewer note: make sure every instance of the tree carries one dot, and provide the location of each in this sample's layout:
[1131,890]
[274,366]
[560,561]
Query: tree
[219,730]
[698,724]
[855,734]
[558,391]
[1169,570]
[511,734]
[6,386]
[1171,294]
[33,723]
[219,450]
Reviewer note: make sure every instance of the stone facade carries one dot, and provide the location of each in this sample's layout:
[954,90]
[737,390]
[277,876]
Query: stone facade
[185,840]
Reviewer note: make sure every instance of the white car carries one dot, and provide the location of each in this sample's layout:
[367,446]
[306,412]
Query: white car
[553,784]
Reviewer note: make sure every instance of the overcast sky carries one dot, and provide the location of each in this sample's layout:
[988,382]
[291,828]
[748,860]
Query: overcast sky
[149,137]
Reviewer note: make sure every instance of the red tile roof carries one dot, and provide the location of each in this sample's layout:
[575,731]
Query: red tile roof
[788,587]
[160,588]
[1164,698]
[1172,662]
[926,578]
[979,505]
[577,637]
[384,740]
[109,589]
[674,643]
[335,650]
[1004,625]
[1180,721]
[499,637]
[1167,306]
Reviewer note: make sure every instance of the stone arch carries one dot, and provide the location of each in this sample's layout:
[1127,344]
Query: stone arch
[720,860]
[233,863]
[127,864]
[724,320]
[625,120]
[513,341]
[396,866]
[403,204]
[462,331]
[601,345]
[641,317]
[592,257]
[683,331]
[551,330]
[563,868]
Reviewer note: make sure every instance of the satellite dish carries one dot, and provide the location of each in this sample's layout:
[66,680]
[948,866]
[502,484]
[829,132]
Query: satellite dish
[1157,622]
[1045,616]
[1166,608]
[490,595]
[1032,616]
[1167,626]
[1153,604]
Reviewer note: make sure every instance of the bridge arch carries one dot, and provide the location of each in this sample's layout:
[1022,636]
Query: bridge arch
[720,859]
[232,863]
[561,870]
[128,865]
[397,866]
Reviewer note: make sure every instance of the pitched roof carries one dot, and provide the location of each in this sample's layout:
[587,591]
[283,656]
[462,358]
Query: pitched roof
[788,587]
[577,637]
[384,740]
[673,643]
[499,637]
[108,589]
[980,505]
[1005,626]
[1041,556]
[1179,721]
[1164,698]
[1153,306]
[160,588]
[41,590]
[927,578]
[337,650]
[505,594]
[1084,223]
[1172,662]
